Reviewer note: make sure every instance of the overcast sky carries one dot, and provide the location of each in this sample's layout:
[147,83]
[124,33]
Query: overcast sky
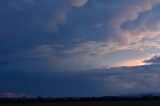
[65,48]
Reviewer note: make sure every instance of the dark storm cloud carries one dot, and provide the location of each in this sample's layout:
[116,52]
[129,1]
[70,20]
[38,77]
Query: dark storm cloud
[53,47]
[95,21]
[40,15]
[154,60]
[100,82]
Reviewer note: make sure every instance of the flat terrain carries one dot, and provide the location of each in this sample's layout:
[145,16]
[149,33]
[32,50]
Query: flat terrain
[111,103]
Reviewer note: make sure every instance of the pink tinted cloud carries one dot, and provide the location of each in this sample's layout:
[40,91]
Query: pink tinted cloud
[15,95]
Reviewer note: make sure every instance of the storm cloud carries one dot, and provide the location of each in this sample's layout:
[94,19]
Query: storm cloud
[79,47]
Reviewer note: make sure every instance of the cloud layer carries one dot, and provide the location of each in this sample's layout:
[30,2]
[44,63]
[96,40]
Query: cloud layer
[100,82]
[74,43]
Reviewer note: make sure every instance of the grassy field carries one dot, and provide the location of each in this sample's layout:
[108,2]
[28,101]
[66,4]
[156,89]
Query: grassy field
[111,103]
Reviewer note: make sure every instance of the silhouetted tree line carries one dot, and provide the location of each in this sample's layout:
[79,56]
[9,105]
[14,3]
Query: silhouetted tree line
[80,99]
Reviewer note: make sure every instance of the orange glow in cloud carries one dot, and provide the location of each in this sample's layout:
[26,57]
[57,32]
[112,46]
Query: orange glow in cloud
[134,62]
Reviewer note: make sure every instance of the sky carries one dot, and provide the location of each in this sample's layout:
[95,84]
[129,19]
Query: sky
[74,48]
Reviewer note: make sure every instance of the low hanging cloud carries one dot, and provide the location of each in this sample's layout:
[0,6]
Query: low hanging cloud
[14,95]
[99,82]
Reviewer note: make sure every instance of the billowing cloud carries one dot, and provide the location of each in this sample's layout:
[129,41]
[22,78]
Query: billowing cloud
[91,33]
[144,26]
[78,40]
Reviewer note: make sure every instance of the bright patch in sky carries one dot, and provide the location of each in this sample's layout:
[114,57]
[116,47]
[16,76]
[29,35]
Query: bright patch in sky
[134,62]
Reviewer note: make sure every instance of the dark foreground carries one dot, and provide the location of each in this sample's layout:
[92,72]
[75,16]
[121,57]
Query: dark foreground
[101,103]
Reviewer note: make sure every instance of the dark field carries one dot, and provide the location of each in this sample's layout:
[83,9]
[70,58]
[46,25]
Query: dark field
[110,103]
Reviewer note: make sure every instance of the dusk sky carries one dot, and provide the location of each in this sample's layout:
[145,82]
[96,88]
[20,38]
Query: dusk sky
[73,48]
